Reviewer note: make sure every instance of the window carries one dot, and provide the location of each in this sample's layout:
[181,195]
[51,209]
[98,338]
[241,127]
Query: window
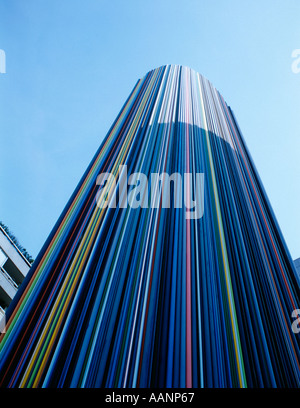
[3,258]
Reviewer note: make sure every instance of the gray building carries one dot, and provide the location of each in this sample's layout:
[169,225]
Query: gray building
[13,269]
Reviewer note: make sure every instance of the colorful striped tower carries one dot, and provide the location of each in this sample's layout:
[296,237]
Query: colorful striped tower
[143,295]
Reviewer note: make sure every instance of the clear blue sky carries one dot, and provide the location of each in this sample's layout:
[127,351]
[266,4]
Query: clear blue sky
[71,64]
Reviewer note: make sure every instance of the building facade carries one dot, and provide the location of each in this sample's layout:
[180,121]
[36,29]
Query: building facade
[167,267]
[13,269]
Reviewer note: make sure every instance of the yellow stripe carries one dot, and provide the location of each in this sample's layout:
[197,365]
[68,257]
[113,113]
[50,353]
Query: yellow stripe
[224,252]
[75,267]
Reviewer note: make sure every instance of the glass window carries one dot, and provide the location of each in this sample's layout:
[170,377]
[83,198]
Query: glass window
[3,258]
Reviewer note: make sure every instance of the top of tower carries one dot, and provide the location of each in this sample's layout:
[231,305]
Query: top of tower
[186,96]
